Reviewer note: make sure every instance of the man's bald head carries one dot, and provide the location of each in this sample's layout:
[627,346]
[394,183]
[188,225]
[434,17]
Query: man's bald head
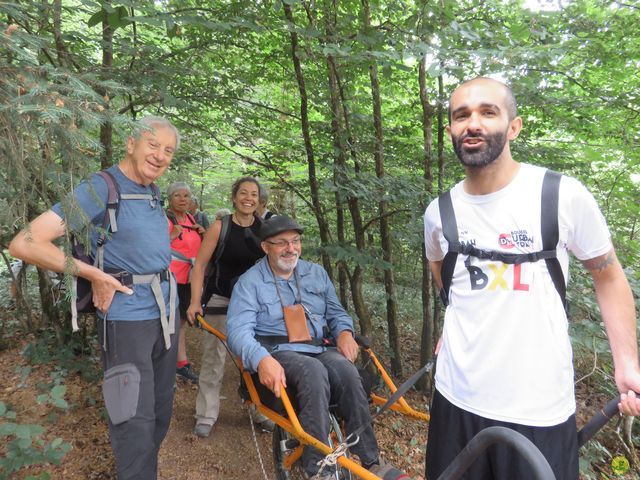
[509,99]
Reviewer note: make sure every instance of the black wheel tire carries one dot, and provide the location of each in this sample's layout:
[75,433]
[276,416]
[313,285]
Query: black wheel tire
[279,453]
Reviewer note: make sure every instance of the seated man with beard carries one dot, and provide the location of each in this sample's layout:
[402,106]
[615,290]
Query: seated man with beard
[280,311]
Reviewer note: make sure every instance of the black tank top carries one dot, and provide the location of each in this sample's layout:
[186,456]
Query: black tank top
[241,251]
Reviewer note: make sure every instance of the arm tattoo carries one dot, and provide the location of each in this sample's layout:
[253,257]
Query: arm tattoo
[601,262]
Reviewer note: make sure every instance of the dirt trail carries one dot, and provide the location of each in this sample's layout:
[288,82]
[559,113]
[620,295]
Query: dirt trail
[228,454]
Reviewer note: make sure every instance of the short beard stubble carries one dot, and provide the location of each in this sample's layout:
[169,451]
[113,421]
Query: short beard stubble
[494,145]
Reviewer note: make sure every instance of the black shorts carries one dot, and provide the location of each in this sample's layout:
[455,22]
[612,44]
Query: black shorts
[184,295]
[451,428]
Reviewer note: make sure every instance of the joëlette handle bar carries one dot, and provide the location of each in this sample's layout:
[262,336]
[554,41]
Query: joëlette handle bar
[598,421]
[539,465]
[489,436]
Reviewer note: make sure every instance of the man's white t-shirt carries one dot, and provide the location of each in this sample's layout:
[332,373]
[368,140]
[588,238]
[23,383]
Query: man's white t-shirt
[506,353]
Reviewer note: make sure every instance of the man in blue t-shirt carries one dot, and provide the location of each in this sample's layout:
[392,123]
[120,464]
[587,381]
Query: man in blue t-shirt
[136,326]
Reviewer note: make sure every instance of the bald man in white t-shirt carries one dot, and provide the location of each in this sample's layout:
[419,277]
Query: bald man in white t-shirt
[505,355]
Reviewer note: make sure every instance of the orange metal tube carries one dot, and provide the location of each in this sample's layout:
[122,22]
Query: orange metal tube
[292,424]
[401,405]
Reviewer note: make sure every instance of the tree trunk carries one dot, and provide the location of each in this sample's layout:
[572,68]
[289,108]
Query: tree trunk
[339,134]
[428,326]
[18,283]
[338,173]
[106,129]
[306,134]
[385,237]
[437,314]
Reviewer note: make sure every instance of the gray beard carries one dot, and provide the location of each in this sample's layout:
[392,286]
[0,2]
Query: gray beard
[494,145]
[287,266]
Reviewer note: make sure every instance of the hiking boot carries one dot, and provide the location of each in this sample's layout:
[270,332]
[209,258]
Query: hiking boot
[322,476]
[388,472]
[267,425]
[202,430]
[259,419]
[187,373]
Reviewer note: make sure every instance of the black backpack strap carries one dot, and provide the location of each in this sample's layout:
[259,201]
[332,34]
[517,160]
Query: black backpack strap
[213,274]
[171,216]
[550,231]
[157,196]
[450,232]
[113,199]
[109,222]
[222,239]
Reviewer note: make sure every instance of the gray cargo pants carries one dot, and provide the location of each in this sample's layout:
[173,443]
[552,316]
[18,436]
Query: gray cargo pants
[136,441]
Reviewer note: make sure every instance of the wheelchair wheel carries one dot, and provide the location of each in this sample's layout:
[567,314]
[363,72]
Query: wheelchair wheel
[284,444]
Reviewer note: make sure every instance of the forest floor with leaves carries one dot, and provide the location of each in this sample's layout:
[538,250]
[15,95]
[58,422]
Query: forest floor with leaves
[228,454]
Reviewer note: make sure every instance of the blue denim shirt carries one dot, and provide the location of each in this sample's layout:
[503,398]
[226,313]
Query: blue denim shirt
[255,309]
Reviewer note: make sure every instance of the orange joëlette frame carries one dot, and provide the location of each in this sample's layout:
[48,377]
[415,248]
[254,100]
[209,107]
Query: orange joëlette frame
[292,424]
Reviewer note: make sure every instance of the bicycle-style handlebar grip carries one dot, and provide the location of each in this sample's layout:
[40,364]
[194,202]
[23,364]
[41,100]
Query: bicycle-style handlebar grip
[598,421]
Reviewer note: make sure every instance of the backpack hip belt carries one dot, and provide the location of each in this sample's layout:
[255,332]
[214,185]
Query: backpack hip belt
[154,279]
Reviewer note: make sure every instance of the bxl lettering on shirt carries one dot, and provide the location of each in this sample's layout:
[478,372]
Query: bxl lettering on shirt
[497,276]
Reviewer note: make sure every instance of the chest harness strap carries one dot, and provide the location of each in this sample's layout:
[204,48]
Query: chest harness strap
[548,228]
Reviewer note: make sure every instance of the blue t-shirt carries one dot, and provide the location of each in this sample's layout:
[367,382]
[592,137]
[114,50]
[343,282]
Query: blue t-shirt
[140,246]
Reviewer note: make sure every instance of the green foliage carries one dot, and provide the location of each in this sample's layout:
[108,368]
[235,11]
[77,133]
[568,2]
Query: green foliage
[223,72]
[23,445]
[70,358]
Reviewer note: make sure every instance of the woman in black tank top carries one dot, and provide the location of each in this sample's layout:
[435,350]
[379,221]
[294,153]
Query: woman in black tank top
[240,249]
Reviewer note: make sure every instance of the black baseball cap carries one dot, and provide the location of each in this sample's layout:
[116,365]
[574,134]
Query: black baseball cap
[278,224]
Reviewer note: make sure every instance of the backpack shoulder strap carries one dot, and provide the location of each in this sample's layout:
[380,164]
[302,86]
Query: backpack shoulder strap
[113,199]
[450,233]
[156,192]
[171,216]
[222,239]
[550,231]
[548,227]
[109,222]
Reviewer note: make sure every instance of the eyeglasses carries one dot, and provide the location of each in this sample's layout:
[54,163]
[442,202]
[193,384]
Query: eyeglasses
[294,242]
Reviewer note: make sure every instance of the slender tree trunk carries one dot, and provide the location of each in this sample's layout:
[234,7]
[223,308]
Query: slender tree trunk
[385,237]
[338,131]
[343,274]
[339,172]
[306,134]
[106,129]
[349,140]
[18,283]
[50,313]
[428,325]
[438,321]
